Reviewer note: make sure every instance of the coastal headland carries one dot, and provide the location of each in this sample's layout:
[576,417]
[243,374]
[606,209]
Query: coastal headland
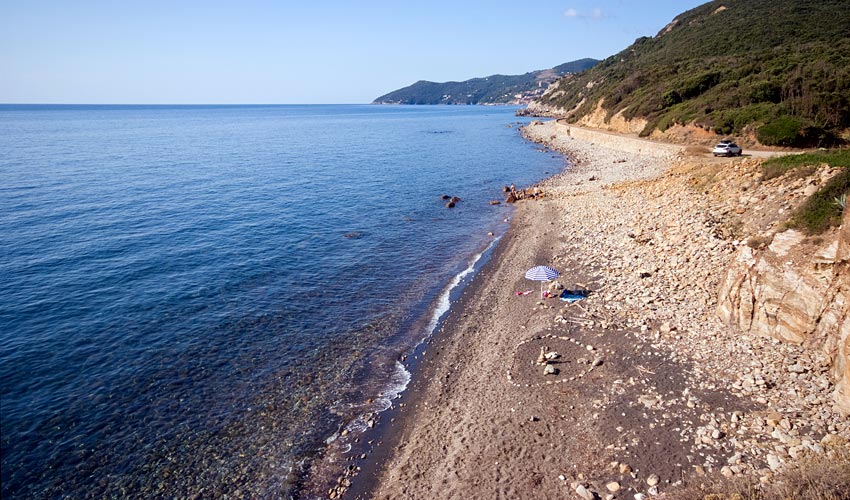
[648,388]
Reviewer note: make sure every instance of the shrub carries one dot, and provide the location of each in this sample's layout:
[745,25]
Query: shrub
[820,211]
[759,242]
[700,84]
[650,126]
[670,98]
[766,92]
[780,165]
[816,476]
[782,131]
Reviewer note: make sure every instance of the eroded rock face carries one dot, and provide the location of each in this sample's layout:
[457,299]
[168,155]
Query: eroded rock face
[789,293]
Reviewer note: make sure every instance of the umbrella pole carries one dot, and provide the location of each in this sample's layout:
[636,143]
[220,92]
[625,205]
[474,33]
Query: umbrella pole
[541,289]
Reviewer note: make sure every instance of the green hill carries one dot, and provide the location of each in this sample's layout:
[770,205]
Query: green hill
[494,89]
[777,69]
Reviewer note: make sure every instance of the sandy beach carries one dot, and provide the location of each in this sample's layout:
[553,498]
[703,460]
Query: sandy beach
[650,388]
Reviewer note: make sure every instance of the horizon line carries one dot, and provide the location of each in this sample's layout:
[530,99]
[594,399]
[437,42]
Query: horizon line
[178,104]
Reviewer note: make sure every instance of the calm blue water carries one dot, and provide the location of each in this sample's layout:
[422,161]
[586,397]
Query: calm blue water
[194,299]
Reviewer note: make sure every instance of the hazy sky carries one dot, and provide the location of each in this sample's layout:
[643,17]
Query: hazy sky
[309,51]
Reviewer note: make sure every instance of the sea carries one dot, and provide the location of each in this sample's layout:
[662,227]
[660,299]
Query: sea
[214,301]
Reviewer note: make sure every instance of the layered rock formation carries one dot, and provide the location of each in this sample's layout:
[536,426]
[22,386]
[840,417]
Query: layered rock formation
[785,293]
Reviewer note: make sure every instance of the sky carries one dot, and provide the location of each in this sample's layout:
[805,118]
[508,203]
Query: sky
[295,52]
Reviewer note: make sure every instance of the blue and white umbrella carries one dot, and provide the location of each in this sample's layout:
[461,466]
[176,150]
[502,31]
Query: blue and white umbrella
[541,274]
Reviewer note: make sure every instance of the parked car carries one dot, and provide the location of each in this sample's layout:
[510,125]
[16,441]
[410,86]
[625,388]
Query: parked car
[727,148]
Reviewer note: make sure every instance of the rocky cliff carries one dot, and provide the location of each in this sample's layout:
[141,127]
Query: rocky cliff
[798,291]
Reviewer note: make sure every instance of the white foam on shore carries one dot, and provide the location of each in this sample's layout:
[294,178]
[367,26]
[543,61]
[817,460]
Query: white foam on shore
[443,301]
[399,382]
[401,376]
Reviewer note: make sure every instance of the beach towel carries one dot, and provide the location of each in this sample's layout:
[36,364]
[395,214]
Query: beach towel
[523,293]
[571,296]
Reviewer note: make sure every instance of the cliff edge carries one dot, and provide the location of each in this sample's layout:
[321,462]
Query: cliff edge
[796,290]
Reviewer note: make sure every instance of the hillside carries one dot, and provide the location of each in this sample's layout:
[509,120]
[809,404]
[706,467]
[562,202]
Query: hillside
[775,70]
[493,89]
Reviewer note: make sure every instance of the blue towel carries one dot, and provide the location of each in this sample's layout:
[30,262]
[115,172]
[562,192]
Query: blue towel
[572,295]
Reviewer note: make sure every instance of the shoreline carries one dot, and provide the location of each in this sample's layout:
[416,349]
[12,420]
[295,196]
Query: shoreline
[395,420]
[364,452]
[641,399]
[447,343]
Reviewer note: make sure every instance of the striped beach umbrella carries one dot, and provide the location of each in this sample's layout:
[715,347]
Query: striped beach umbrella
[541,274]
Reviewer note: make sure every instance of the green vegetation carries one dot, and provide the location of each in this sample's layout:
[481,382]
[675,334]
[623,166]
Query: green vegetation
[782,131]
[777,68]
[494,89]
[780,165]
[821,211]
[824,208]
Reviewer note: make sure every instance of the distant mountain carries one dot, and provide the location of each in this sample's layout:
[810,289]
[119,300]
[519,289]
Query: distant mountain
[494,89]
[776,70]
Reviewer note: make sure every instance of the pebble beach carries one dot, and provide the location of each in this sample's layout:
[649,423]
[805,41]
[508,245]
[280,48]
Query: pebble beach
[649,387]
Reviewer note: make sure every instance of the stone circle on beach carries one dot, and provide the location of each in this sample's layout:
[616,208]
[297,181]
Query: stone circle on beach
[574,360]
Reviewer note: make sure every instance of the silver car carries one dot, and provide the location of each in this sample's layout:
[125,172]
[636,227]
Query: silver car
[727,148]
